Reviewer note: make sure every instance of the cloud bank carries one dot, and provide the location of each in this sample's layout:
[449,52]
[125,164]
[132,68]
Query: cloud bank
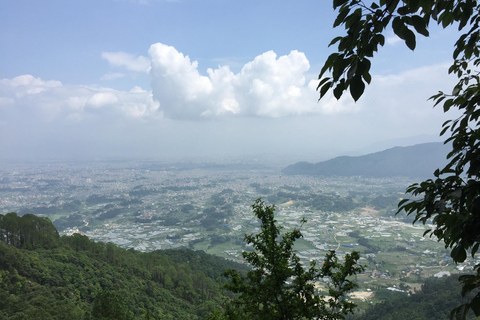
[269,86]
[269,105]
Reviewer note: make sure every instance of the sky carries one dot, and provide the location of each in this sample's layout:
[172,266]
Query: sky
[210,79]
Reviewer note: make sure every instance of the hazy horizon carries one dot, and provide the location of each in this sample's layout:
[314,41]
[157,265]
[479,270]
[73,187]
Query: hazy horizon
[279,159]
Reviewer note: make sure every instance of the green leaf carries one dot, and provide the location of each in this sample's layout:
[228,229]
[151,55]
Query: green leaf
[475,305]
[337,3]
[419,25]
[363,66]
[363,70]
[338,91]
[367,77]
[357,87]
[446,122]
[447,104]
[339,67]
[324,89]
[353,19]
[329,63]
[341,17]
[414,5]
[380,39]
[446,18]
[438,99]
[351,71]
[322,82]
[410,39]
[458,254]
[403,11]
[458,312]
[475,249]
[456,90]
[443,131]
[398,27]
[392,5]
[335,40]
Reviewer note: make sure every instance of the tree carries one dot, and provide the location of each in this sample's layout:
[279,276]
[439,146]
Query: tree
[110,306]
[278,286]
[452,199]
[28,231]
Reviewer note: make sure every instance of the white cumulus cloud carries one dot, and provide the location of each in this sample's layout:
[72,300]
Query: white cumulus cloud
[268,86]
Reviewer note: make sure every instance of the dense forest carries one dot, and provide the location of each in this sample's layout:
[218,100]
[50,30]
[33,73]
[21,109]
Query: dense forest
[45,276]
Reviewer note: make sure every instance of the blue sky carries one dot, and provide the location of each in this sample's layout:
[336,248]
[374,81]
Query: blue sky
[194,79]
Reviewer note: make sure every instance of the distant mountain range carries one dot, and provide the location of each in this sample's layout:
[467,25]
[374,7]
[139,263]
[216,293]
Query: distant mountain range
[419,161]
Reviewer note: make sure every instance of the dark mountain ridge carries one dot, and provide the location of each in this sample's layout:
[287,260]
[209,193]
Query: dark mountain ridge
[420,160]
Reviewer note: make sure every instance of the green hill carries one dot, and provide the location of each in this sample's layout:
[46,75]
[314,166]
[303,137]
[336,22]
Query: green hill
[415,161]
[45,276]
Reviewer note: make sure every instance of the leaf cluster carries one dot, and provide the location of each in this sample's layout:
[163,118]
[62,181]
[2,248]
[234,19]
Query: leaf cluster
[365,24]
[451,200]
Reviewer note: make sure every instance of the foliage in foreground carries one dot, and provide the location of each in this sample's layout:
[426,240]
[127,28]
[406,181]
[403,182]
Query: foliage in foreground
[452,199]
[279,287]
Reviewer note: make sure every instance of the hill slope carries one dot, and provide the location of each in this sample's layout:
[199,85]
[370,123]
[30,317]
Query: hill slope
[44,276]
[415,161]
[434,301]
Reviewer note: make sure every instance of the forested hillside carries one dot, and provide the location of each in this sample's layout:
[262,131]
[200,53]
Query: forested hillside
[434,301]
[45,276]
